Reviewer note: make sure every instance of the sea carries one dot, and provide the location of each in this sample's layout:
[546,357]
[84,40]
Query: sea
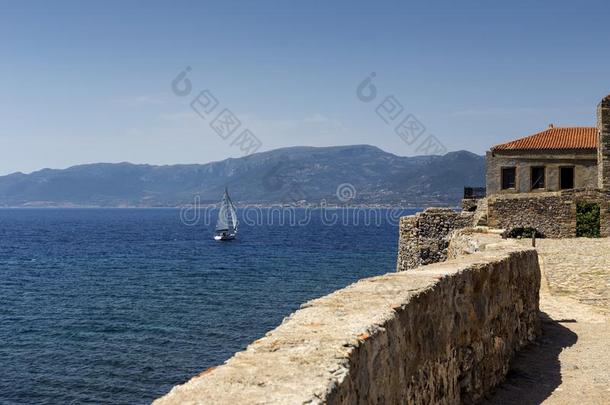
[116,306]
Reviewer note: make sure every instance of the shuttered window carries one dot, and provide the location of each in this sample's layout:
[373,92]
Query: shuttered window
[538,177]
[508,178]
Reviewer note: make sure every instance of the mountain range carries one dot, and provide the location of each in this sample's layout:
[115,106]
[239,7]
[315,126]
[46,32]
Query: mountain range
[358,174]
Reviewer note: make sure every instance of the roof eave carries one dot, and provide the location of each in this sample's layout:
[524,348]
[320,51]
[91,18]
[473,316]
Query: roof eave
[499,149]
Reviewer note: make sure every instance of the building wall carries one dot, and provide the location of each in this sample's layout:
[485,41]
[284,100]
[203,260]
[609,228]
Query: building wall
[603,140]
[584,163]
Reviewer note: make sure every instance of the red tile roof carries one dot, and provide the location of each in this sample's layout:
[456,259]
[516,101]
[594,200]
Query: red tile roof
[555,138]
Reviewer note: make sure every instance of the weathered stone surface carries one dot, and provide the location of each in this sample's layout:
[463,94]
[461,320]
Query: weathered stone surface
[578,268]
[570,361]
[603,142]
[443,334]
[471,240]
[550,214]
[553,214]
[480,215]
[424,237]
[469,204]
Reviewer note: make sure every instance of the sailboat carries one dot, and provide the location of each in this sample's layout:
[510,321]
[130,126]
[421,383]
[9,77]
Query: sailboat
[226,225]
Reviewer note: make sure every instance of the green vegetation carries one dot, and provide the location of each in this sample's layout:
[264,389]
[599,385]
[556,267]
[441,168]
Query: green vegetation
[587,220]
[524,232]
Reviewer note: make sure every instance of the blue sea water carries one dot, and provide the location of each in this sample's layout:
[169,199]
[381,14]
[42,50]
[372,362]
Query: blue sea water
[116,306]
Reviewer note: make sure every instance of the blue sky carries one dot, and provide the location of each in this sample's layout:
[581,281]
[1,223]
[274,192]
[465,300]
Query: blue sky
[91,82]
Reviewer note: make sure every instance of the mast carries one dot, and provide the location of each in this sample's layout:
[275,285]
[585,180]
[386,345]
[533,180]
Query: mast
[231,211]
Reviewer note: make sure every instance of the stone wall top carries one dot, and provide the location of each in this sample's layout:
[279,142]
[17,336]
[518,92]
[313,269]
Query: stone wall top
[388,339]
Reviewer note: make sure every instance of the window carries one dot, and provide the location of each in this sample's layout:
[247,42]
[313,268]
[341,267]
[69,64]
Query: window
[508,177]
[537,177]
[566,178]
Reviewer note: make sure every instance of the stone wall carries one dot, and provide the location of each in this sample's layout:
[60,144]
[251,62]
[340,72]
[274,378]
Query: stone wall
[444,335]
[553,214]
[603,141]
[469,204]
[471,240]
[424,237]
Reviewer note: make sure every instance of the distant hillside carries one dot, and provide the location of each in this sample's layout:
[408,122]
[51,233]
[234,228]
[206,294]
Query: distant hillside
[282,175]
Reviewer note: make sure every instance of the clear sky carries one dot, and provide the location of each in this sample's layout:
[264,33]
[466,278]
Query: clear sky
[85,82]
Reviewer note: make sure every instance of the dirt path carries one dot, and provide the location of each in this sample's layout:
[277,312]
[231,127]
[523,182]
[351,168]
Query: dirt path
[570,362]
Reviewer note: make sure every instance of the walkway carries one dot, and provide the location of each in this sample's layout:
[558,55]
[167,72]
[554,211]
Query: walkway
[570,363]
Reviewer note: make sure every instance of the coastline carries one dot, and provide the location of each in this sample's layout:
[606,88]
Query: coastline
[240,206]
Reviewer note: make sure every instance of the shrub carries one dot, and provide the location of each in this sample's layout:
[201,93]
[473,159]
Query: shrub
[524,232]
[587,220]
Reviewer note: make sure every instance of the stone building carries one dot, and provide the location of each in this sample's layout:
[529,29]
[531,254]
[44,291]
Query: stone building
[542,180]
[552,160]
[556,181]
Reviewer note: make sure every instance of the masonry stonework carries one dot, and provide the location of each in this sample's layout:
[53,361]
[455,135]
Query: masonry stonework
[603,141]
[443,335]
[552,214]
[424,237]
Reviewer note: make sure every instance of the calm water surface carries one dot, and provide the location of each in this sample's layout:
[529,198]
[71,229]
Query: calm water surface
[118,305]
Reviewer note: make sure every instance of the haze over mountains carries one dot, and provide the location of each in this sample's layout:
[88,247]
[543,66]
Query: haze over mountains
[288,175]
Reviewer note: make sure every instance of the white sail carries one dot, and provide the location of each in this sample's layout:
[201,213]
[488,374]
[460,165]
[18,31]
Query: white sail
[227,216]
[232,214]
[222,224]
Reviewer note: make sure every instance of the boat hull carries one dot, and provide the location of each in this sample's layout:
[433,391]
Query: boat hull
[224,237]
